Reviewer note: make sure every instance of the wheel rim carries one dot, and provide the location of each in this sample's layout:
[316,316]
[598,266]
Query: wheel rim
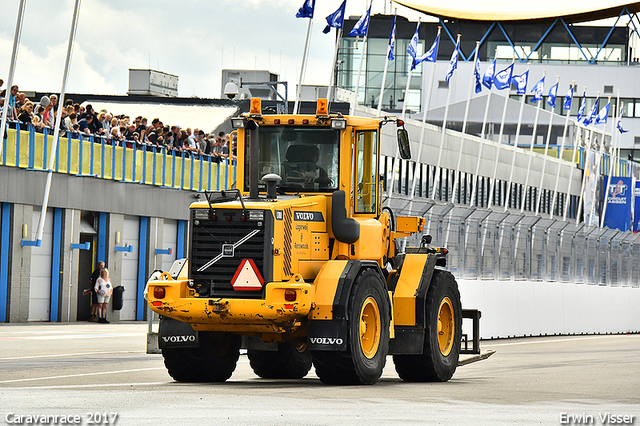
[446,326]
[370,327]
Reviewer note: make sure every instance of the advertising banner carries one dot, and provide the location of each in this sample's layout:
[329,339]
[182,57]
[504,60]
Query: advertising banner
[618,215]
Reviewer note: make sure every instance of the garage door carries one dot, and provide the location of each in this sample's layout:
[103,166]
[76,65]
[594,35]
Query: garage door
[169,240]
[130,237]
[40,288]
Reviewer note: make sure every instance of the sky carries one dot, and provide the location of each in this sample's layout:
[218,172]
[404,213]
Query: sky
[193,39]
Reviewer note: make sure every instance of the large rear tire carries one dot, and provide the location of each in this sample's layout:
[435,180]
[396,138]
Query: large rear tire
[443,335]
[214,361]
[368,337]
[292,360]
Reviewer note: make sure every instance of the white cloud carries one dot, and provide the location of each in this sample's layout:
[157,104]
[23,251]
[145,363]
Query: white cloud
[193,39]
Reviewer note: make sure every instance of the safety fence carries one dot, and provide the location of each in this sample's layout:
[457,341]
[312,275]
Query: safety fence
[89,156]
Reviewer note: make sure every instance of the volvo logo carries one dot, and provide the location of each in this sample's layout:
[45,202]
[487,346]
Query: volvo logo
[179,339]
[326,340]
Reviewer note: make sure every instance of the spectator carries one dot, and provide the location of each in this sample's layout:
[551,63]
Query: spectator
[13,112]
[1,104]
[94,300]
[103,291]
[84,123]
[69,121]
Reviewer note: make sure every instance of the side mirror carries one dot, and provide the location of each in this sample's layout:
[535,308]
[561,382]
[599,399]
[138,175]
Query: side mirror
[403,144]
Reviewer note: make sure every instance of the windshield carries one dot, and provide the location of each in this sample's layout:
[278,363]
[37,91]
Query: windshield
[305,158]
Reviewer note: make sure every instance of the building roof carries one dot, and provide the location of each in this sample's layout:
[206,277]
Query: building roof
[570,11]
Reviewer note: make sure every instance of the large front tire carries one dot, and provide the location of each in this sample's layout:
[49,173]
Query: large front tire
[292,360]
[213,361]
[368,337]
[443,335]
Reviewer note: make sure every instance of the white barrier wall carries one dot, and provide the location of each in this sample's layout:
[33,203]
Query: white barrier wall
[523,308]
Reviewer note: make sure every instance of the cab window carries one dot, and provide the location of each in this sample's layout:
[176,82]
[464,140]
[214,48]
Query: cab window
[365,174]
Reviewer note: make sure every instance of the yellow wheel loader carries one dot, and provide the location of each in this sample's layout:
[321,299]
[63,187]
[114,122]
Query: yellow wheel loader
[300,264]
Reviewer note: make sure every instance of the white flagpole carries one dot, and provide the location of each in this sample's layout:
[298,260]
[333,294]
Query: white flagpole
[546,152]
[386,64]
[564,136]
[364,49]
[436,177]
[333,66]
[406,90]
[464,123]
[56,131]
[302,67]
[502,122]
[597,170]
[12,70]
[533,141]
[612,151]
[587,163]
[573,167]
[515,144]
[425,111]
[482,144]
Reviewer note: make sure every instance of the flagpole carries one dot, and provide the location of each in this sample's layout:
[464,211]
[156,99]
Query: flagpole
[498,148]
[406,90]
[482,144]
[56,131]
[303,66]
[587,163]
[464,124]
[425,111]
[515,144]
[436,177]
[564,135]
[546,151]
[533,140]
[611,159]
[364,49]
[597,170]
[12,70]
[386,63]
[333,66]
[573,167]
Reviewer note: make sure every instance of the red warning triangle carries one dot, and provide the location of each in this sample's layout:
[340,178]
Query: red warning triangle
[247,276]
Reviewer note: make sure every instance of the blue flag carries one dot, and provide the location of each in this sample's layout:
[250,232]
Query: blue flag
[583,106]
[592,113]
[476,73]
[601,118]
[568,99]
[453,63]
[392,38]
[487,79]
[521,82]
[619,126]
[336,19]
[306,11]
[412,50]
[537,90]
[362,26]
[502,80]
[553,93]
[430,55]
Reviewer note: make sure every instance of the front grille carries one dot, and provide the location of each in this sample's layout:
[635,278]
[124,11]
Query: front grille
[207,240]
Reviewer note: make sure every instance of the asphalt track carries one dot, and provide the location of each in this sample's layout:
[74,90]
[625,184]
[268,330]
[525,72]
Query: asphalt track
[100,371]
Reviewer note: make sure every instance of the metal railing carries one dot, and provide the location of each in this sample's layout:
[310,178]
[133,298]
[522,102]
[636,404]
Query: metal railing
[499,244]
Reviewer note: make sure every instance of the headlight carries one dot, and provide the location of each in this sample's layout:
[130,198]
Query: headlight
[256,214]
[338,123]
[237,123]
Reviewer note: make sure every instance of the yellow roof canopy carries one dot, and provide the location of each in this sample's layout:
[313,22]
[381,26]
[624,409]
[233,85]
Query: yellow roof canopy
[570,11]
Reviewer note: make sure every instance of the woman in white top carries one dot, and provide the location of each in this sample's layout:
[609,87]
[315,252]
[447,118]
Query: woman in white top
[103,291]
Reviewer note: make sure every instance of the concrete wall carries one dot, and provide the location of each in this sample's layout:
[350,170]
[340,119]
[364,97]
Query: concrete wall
[525,308]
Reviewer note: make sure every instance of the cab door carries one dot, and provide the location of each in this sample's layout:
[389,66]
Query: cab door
[366,171]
